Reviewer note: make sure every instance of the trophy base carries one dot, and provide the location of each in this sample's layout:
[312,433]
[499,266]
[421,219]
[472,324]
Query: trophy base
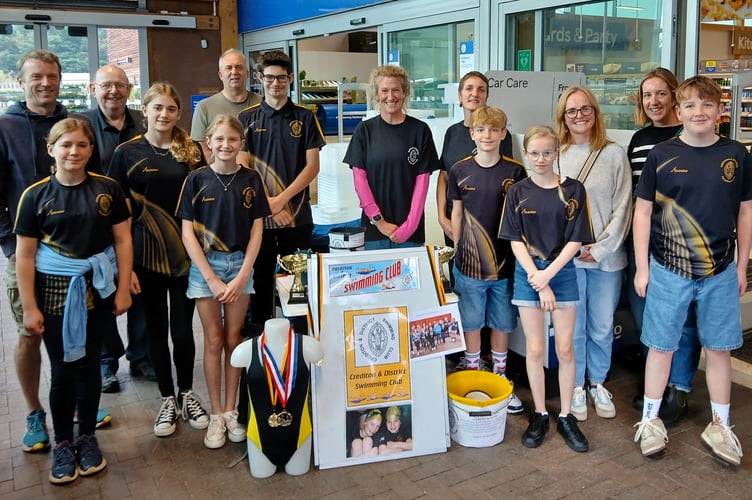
[298,298]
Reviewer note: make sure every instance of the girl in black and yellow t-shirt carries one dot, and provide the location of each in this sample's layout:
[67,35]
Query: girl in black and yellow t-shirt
[151,169]
[73,239]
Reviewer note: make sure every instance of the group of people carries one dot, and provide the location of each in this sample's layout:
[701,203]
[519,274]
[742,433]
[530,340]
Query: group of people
[558,240]
[174,219]
[199,219]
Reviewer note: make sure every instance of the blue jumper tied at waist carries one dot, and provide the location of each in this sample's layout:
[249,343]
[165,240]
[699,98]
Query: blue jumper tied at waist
[75,315]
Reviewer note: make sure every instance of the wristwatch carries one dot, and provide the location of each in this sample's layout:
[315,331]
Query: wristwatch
[376,219]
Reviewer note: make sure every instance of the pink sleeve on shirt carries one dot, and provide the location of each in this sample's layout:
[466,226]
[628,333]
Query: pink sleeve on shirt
[365,195]
[417,205]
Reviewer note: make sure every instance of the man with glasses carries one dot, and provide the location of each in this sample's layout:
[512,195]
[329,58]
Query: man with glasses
[234,97]
[114,123]
[283,140]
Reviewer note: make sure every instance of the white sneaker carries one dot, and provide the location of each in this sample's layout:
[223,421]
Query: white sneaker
[215,433]
[651,435]
[723,442]
[579,404]
[604,407]
[193,412]
[164,425]
[235,431]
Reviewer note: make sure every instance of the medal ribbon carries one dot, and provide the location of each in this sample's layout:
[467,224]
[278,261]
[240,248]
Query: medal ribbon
[281,382]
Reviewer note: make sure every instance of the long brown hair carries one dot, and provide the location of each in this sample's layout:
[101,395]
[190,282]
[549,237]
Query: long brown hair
[182,147]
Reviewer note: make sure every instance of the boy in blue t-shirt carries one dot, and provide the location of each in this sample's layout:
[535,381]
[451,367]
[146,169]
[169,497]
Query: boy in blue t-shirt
[484,264]
[694,202]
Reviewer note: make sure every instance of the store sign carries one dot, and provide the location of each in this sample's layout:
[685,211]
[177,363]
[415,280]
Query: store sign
[742,41]
[580,33]
[529,98]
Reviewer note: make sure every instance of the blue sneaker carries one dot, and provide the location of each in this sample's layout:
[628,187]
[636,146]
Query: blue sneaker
[103,418]
[36,438]
[90,459]
[64,469]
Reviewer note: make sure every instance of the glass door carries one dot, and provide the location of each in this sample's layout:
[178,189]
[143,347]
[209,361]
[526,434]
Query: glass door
[435,57]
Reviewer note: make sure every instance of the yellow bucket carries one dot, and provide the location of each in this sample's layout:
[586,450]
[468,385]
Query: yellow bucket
[477,407]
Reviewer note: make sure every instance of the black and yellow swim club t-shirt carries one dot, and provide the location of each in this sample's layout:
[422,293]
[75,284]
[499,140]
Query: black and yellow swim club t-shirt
[480,254]
[696,193]
[222,219]
[538,217]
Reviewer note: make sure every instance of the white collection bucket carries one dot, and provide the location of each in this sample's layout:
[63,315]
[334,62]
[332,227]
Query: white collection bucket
[477,407]
[347,239]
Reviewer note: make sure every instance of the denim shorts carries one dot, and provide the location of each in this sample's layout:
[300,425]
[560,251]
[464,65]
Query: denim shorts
[485,303]
[668,299]
[225,265]
[564,286]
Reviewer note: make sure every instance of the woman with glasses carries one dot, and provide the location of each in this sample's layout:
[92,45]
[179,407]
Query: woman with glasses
[392,156]
[151,169]
[602,166]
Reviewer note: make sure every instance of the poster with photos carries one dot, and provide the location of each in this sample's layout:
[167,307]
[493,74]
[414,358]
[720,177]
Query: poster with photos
[377,361]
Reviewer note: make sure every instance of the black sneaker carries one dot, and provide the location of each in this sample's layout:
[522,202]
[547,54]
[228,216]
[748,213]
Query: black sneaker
[638,401]
[567,427]
[192,411]
[146,371]
[90,459]
[536,430]
[674,405]
[110,383]
[64,469]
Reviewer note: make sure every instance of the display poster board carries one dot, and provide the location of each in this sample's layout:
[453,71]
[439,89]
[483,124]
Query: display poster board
[529,98]
[361,304]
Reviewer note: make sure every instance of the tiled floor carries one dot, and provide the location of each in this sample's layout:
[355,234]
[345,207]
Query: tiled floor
[142,466]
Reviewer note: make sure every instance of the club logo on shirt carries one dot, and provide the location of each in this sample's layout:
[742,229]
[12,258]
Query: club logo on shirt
[506,184]
[413,155]
[248,196]
[729,166]
[572,206]
[104,202]
[296,128]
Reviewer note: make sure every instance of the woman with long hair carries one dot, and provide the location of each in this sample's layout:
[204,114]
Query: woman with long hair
[151,169]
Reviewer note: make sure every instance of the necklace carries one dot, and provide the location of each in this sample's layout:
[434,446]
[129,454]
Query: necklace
[155,150]
[226,186]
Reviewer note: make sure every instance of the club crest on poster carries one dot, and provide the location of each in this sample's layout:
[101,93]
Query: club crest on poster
[377,356]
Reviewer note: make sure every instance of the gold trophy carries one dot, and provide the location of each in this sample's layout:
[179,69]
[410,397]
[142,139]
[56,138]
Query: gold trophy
[296,264]
[445,255]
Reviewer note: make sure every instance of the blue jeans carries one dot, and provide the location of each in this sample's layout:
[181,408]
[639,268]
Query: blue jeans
[685,361]
[669,298]
[387,243]
[593,329]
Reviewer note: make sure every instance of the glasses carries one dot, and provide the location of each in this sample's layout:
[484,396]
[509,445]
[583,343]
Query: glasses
[537,155]
[585,111]
[109,85]
[279,78]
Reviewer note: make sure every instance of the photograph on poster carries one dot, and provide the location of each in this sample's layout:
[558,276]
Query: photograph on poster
[436,332]
[379,431]
[377,356]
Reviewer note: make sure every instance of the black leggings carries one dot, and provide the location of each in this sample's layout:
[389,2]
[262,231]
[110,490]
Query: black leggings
[177,320]
[77,384]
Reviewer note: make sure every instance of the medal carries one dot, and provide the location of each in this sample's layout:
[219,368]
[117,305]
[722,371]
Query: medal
[281,382]
[284,418]
[273,420]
